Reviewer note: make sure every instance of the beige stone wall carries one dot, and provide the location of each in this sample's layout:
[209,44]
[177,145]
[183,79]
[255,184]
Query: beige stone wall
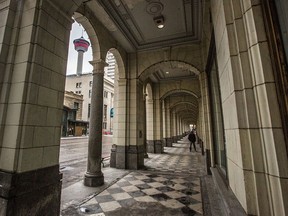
[32,89]
[157,109]
[256,154]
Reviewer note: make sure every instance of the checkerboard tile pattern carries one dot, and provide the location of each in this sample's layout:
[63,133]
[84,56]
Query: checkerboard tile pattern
[171,181]
[171,191]
[177,159]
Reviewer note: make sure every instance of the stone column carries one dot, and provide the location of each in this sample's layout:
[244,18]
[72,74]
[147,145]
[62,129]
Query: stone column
[150,146]
[181,128]
[145,126]
[158,126]
[179,125]
[168,124]
[164,123]
[173,126]
[176,128]
[94,176]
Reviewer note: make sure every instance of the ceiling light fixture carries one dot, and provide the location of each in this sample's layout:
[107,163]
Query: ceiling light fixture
[159,21]
[167,72]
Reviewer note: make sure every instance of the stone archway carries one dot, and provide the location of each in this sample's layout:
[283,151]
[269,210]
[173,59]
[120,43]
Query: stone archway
[181,80]
[184,107]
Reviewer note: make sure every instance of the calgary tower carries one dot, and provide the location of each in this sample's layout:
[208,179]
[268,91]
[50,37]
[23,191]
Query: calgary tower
[81,45]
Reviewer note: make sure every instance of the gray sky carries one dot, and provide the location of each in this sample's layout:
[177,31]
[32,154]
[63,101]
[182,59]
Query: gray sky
[76,32]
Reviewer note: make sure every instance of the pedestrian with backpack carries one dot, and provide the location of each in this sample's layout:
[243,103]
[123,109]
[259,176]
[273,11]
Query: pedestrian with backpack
[192,139]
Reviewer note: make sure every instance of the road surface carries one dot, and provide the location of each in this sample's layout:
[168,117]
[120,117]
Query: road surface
[73,157]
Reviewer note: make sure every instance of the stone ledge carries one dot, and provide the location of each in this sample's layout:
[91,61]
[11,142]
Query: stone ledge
[211,203]
[231,205]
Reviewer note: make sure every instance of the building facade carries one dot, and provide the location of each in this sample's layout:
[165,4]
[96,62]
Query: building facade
[82,85]
[72,123]
[219,65]
[112,64]
[74,101]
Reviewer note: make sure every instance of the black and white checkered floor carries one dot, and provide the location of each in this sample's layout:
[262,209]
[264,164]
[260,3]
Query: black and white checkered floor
[169,186]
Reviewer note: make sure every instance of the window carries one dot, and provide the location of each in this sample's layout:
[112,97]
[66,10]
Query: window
[89,108]
[104,125]
[78,85]
[105,94]
[105,113]
[90,93]
[71,115]
[90,83]
[76,105]
[217,113]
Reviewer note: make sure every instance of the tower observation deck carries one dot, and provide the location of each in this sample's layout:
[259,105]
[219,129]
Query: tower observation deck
[81,45]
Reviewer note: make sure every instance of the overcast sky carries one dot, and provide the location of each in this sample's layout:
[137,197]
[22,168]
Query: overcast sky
[76,32]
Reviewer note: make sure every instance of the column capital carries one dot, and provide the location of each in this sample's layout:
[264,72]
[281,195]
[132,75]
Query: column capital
[98,66]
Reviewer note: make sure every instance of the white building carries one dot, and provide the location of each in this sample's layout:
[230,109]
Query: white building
[83,85]
[110,69]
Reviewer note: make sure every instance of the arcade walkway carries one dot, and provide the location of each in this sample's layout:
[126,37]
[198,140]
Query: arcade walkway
[169,185]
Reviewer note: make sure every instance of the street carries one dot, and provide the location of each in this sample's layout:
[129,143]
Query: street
[73,157]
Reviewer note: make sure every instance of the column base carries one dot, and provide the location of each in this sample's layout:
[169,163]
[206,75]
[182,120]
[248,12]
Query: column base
[36,192]
[208,162]
[164,141]
[155,146]
[127,157]
[91,180]
[150,146]
[169,142]
[113,156]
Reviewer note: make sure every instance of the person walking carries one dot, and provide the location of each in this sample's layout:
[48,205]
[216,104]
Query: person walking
[192,139]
